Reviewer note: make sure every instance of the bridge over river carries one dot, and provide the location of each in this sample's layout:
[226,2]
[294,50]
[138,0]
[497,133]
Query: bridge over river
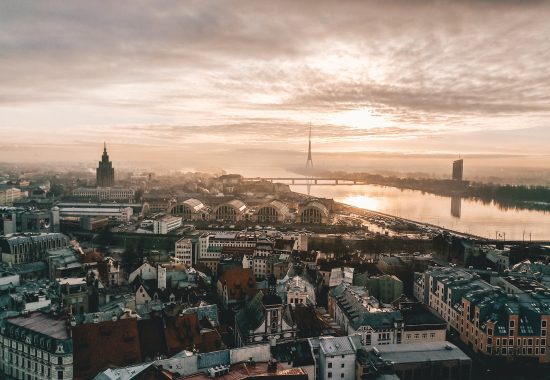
[319,181]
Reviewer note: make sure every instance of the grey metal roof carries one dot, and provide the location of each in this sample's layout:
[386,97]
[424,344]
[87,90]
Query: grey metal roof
[331,346]
[421,352]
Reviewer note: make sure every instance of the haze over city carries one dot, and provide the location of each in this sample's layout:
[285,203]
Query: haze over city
[210,86]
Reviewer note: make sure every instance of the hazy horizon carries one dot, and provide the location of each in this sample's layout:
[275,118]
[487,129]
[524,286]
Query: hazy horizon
[391,86]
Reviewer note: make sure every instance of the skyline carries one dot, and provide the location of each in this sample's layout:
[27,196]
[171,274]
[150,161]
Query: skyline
[169,82]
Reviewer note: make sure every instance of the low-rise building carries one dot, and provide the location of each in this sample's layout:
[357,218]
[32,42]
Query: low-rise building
[120,214]
[433,360]
[166,224]
[102,193]
[334,357]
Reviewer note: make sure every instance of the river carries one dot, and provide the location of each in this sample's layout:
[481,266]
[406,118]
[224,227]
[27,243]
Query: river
[463,215]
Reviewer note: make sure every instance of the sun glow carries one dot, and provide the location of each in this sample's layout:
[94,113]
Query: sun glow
[362,201]
[363,118]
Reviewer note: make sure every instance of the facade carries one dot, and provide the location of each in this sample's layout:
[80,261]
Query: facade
[221,240]
[264,319]
[105,173]
[491,321]
[386,288]
[74,295]
[29,248]
[166,224]
[190,210]
[296,290]
[260,258]
[184,251]
[340,275]
[313,212]
[272,212]
[334,357]
[100,193]
[120,214]
[19,219]
[8,195]
[36,346]
[232,211]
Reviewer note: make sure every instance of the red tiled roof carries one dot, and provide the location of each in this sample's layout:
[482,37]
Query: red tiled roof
[240,283]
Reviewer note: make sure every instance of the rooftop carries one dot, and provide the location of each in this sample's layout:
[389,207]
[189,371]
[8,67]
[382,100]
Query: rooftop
[421,352]
[43,324]
[336,346]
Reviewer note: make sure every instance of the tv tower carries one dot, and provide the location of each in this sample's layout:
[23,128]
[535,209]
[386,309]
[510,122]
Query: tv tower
[309,163]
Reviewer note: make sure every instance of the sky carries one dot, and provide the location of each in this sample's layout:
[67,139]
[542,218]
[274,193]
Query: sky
[210,84]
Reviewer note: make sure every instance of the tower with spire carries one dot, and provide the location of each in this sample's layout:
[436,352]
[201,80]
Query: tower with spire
[105,173]
[309,162]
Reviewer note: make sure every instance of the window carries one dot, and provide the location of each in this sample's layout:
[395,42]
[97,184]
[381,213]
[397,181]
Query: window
[59,375]
[329,365]
[543,323]
[329,375]
[342,375]
[342,365]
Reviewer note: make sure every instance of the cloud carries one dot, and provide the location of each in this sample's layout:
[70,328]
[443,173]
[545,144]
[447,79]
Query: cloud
[246,72]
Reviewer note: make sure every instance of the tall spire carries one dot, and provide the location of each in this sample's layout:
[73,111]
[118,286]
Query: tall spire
[104,146]
[309,163]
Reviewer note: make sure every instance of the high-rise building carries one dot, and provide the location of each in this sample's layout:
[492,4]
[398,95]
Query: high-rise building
[458,169]
[105,174]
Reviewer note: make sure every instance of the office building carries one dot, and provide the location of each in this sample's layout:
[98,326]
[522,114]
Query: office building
[458,170]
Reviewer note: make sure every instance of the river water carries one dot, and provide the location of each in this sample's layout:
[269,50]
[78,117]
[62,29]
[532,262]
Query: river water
[463,215]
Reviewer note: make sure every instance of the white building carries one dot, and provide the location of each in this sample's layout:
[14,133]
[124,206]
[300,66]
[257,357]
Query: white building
[8,195]
[297,290]
[115,193]
[262,251]
[341,275]
[221,240]
[146,271]
[166,224]
[120,214]
[334,357]
[184,251]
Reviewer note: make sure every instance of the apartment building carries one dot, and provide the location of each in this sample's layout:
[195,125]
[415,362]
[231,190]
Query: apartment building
[486,317]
